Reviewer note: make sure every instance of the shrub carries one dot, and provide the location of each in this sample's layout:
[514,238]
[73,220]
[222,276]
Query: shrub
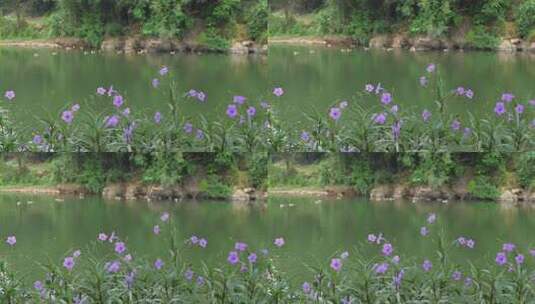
[257,22]
[525,170]
[525,17]
[482,187]
[212,187]
[480,37]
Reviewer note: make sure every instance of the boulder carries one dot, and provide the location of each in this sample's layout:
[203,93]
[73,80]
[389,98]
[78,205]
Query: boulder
[506,46]
[381,193]
[239,48]
[239,195]
[113,191]
[507,196]
[379,42]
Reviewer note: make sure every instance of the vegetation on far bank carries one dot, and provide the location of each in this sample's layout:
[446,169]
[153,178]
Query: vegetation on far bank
[212,23]
[482,23]
[215,175]
[476,175]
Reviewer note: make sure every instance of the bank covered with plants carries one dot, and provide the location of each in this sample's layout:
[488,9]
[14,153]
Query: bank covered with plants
[422,177]
[127,176]
[419,25]
[138,25]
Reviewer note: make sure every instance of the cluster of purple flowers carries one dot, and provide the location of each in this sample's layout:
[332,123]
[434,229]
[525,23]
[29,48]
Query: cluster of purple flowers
[201,242]
[466,242]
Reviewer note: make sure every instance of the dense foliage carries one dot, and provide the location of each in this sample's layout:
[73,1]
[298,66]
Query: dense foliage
[483,20]
[95,19]
[107,271]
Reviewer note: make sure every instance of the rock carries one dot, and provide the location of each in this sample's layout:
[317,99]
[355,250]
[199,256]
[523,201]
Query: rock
[507,197]
[399,41]
[112,44]
[427,43]
[381,193]
[516,41]
[400,191]
[157,45]
[239,48]
[530,47]
[379,42]
[425,193]
[131,45]
[134,191]
[506,46]
[240,195]
[112,191]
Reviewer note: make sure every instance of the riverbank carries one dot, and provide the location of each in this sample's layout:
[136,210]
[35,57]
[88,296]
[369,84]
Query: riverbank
[137,45]
[405,41]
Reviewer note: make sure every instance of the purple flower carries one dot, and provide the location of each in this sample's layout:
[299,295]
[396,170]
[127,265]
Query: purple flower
[381,268]
[111,121]
[468,281]
[239,99]
[307,288]
[398,278]
[278,92]
[155,82]
[431,68]
[305,136]
[128,258]
[37,139]
[75,107]
[164,217]
[164,70]
[379,118]
[158,264]
[336,264]
[252,258]
[192,93]
[426,115]
[372,238]
[424,231]
[11,240]
[194,239]
[203,243]
[455,125]
[469,94]
[387,249]
[113,266]
[199,134]
[188,275]
[67,116]
[427,265]
[279,242]
[396,129]
[423,81]
[233,257]
[157,118]
[499,109]
[519,259]
[344,255]
[10,95]
[369,88]
[467,132]
[232,111]
[460,91]
[38,285]
[126,112]
[201,96]
[456,275]
[102,237]
[199,281]
[396,259]
[188,127]
[335,113]
[251,111]
[120,247]
[101,91]
[501,258]
[111,91]
[240,246]
[76,253]
[470,243]
[118,101]
[68,263]
[264,105]
[507,97]
[532,252]
[461,240]
[343,104]
[431,218]
[508,247]
[519,108]
[386,98]
[156,229]
[129,279]
[394,109]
